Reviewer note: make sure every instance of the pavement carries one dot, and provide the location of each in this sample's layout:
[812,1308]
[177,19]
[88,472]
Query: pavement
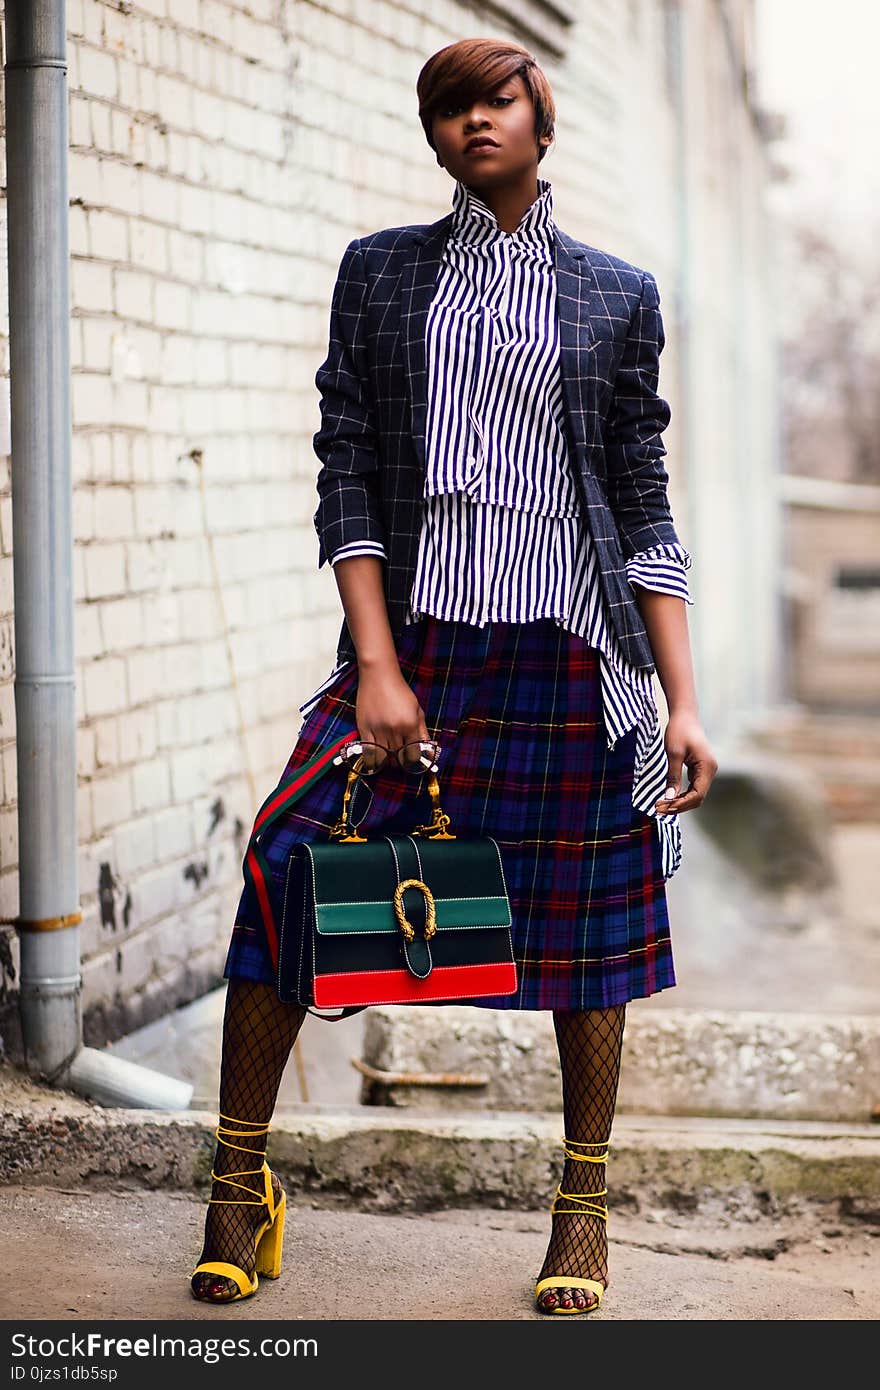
[444,1217]
[128,1254]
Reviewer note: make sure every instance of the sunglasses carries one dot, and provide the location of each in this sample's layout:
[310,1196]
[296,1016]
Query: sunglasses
[369,758]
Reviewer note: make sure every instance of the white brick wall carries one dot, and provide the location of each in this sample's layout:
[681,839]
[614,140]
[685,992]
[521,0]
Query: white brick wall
[222,154]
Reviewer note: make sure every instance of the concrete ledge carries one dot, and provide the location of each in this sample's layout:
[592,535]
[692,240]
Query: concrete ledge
[384,1160]
[675,1062]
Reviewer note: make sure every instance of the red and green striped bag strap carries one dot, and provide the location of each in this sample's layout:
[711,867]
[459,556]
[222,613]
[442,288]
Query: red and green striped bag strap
[289,790]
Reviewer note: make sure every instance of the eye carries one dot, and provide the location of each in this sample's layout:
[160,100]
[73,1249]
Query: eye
[448,111]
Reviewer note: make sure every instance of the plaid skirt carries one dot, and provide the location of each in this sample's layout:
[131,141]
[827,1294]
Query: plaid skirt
[517,710]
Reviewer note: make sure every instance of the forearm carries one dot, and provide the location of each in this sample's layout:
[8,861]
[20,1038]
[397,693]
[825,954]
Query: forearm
[665,619]
[360,583]
[387,709]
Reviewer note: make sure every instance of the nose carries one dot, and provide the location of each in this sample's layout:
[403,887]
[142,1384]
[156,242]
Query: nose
[475,119]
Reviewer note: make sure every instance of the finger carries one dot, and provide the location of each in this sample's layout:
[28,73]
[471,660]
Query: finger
[402,738]
[411,733]
[672,801]
[365,729]
[702,774]
[685,801]
[673,776]
[694,795]
[393,735]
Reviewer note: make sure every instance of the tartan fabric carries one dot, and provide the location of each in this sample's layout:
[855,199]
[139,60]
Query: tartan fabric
[373,401]
[517,710]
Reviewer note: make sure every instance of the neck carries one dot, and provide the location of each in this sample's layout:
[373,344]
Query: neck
[509,201]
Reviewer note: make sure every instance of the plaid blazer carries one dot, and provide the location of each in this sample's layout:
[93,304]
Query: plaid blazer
[373,384]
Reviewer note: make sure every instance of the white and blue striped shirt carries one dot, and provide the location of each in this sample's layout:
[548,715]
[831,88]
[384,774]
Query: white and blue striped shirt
[502,538]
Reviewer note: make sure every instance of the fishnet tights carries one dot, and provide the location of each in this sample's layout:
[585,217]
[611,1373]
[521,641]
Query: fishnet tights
[258,1034]
[590,1043]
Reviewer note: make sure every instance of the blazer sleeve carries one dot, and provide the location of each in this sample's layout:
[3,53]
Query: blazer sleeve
[349,509]
[634,449]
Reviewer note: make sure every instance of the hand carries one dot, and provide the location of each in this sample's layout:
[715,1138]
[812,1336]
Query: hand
[387,710]
[686,743]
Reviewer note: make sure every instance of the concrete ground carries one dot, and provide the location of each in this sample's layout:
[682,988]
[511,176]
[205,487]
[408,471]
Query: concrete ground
[112,1254]
[443,1217]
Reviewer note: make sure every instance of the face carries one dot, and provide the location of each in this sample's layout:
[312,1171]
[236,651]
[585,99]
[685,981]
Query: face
[492,141]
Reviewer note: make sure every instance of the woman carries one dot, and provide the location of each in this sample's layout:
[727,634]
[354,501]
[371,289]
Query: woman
[493,501]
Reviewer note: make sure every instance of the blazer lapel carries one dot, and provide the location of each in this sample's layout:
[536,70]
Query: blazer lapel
[418,282]
[575,283]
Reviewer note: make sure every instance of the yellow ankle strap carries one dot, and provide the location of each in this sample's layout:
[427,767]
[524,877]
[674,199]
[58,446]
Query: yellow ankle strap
[256,1127]
[584,1206]
[238,1201]
[586,1144]
[257,1131]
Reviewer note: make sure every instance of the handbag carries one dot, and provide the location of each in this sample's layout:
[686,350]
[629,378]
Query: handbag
[418,918]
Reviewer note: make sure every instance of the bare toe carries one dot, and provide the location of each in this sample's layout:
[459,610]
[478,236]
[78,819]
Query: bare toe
[213,1288]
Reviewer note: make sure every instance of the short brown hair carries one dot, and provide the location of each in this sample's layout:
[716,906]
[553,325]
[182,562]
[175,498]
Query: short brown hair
[470,68]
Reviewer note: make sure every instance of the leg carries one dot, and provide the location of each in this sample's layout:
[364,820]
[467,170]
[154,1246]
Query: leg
[590,1043]
[258,1034]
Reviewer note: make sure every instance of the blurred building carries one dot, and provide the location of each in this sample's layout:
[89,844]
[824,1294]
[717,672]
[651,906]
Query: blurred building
[832,590]
[223,152]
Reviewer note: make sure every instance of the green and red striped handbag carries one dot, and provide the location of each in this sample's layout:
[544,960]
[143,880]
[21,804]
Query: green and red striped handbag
[400,919]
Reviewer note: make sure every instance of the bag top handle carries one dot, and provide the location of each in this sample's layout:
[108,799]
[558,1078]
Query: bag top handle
[436,829]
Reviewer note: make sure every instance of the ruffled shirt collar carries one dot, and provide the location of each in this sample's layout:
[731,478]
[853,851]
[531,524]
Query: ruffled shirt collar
[474,222]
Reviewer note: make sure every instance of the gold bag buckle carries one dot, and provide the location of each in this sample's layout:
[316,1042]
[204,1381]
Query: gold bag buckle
[403,921]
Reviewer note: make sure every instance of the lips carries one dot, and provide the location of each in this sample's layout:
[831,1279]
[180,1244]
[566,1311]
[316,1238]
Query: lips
[481,142]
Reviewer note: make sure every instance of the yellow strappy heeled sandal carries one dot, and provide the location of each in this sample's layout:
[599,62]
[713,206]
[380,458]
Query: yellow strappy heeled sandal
[268,1238]
[586,1204]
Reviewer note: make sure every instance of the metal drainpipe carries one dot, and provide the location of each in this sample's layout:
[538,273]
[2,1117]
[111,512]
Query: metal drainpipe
[45,697]
[42,523]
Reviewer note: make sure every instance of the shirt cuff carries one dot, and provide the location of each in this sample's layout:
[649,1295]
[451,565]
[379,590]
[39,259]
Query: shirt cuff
[662,568]
[358,548]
